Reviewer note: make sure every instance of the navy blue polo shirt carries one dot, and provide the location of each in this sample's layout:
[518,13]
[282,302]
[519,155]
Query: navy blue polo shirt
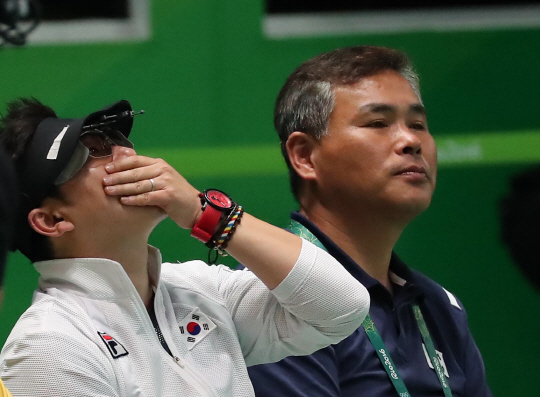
[352,368]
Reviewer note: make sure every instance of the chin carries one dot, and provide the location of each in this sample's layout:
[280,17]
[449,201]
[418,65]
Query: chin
[415,206]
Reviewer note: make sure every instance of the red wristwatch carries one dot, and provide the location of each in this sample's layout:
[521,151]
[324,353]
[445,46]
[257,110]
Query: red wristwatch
[216,206]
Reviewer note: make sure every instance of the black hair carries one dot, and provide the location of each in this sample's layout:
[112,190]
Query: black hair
[306,100]
[17,128]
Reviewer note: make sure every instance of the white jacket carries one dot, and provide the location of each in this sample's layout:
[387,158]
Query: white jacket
[88,332]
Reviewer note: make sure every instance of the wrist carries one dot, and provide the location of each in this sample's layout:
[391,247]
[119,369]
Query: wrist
[216,207]
[197,212]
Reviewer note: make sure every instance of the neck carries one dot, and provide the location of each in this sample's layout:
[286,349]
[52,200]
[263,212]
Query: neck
[132,255]
[367,239]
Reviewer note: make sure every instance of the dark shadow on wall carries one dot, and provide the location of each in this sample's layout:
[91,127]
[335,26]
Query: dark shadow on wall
[520,222]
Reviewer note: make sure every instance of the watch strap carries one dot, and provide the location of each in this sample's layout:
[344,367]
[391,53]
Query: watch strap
[206,225]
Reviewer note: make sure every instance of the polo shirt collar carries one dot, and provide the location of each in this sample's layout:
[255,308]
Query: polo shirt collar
[400,274]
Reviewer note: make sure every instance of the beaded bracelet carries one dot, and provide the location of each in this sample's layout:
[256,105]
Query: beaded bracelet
[232,223]
[219,244]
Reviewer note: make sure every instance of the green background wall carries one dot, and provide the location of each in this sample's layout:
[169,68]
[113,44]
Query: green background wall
[208,79]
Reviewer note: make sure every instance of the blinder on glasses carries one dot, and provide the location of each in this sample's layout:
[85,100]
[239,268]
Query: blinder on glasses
[95,143]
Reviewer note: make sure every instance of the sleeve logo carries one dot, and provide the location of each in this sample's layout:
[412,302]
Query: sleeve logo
[195,327]
[115,348]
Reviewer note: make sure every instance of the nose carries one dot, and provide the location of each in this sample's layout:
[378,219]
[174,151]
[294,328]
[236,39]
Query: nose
[120,152]
[408,142]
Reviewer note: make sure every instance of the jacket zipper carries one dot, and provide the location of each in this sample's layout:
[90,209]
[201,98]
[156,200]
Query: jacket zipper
[180,366]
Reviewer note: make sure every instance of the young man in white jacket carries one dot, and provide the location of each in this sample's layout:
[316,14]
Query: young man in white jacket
[8,196]
[110,319]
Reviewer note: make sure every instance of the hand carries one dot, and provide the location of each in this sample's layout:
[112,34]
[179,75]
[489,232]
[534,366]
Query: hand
[129,177]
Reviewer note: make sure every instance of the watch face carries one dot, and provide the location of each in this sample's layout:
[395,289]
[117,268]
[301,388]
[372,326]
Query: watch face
[218,199]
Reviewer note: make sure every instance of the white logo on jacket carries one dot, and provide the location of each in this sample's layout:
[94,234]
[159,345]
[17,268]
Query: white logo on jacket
[441,360]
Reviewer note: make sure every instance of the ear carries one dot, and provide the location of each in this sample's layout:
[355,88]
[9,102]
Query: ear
[44,221]
[300,147]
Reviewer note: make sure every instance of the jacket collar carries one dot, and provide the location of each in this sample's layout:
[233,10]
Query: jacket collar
[95,278]
[400,274]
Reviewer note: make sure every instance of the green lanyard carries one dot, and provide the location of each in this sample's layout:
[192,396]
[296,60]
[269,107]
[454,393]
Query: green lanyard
[375,338]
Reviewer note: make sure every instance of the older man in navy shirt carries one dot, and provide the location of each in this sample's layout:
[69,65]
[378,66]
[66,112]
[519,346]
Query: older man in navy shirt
[362,165]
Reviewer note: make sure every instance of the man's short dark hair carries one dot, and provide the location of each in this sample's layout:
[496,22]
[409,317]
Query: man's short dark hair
[306,100]
[16,130]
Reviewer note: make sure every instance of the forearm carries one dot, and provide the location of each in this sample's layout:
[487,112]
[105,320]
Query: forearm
[317,304]
[321,292]
[269,252]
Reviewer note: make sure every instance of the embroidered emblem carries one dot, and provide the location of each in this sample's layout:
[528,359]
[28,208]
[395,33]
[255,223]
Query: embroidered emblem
[115,348]
[195,327]
[441,360]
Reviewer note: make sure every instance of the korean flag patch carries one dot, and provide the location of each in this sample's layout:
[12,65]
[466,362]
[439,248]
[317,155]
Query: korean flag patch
[195,327]
[115,348]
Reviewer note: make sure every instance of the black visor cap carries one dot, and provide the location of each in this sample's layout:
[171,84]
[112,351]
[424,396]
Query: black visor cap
[47,155]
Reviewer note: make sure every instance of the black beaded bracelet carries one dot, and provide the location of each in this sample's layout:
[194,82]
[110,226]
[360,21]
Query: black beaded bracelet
[223,237]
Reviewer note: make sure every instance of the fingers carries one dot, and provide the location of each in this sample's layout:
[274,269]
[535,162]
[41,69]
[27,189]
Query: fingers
[129,162]
[131,175]
[148,199]
[156,198]
[135,188]
[137,179]
[129,178]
